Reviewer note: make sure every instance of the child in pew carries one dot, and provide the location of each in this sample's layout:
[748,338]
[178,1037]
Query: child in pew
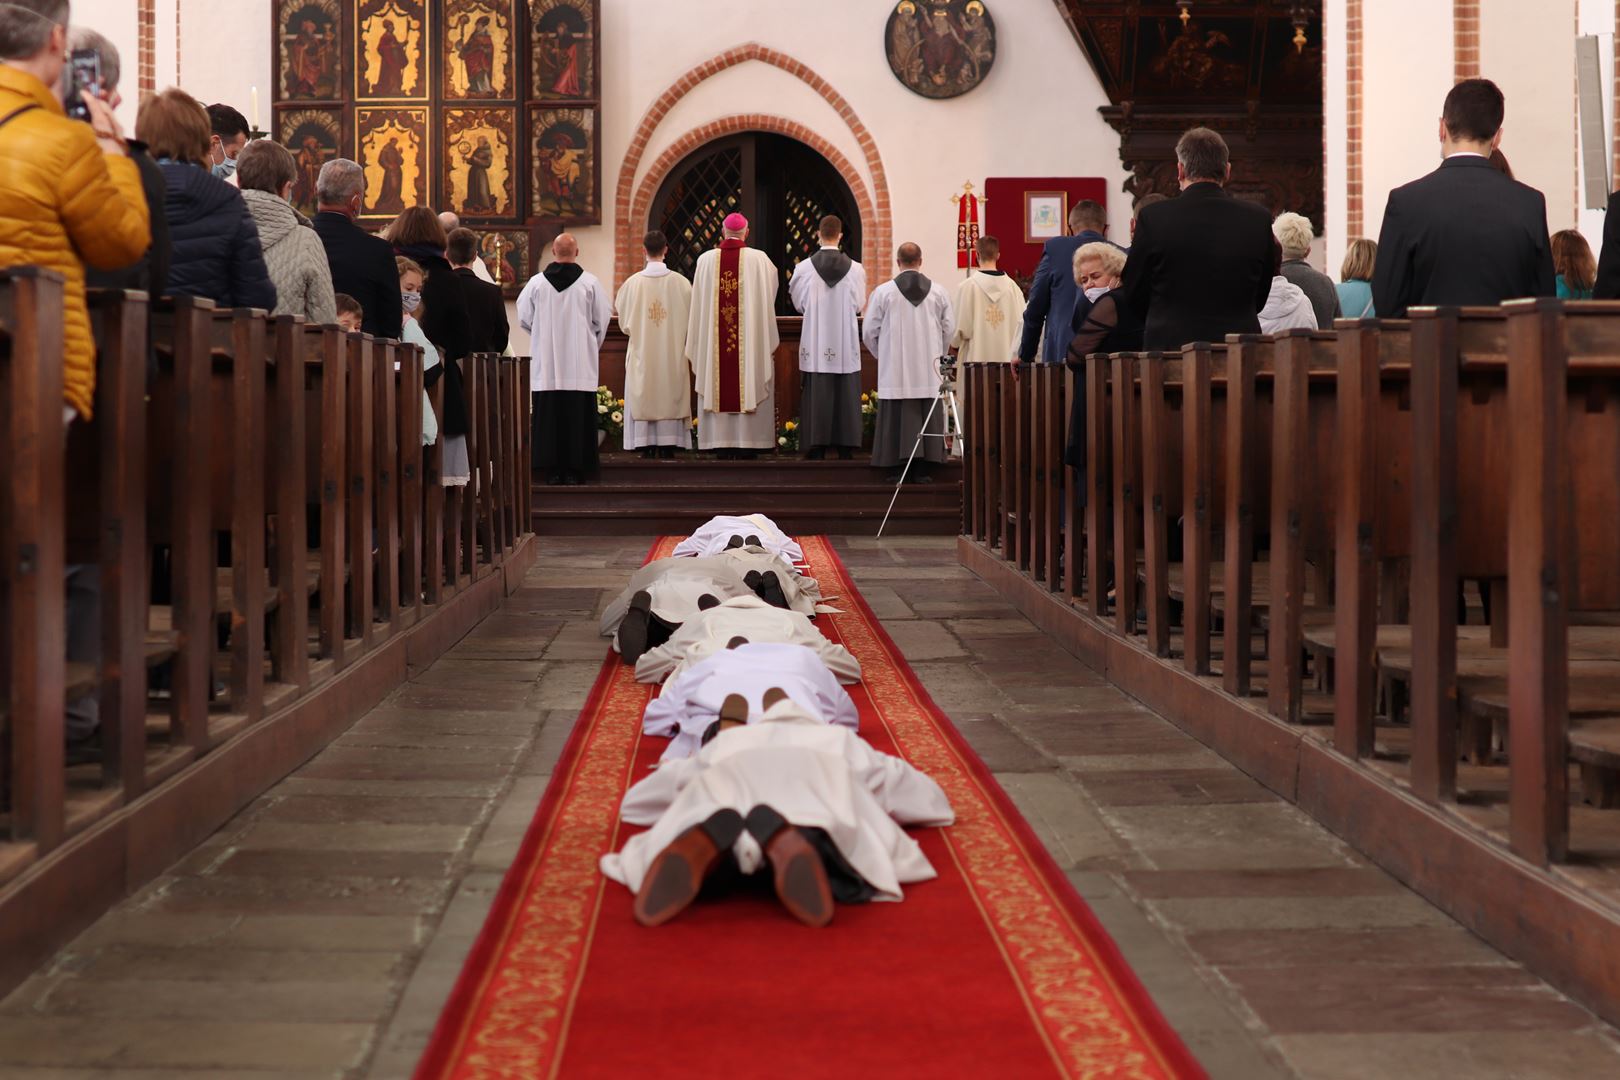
[350,315]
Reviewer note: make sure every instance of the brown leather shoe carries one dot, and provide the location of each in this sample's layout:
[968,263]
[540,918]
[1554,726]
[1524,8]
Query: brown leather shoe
[772,696]
[734,708]
[796,867]
[676,876]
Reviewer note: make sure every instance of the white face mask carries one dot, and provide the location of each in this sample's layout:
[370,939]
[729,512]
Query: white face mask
[1094,294]
[410,300]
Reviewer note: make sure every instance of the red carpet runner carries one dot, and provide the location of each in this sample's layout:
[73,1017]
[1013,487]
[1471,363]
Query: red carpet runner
[995,969]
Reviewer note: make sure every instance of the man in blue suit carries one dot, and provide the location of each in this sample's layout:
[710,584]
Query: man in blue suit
[1054,297]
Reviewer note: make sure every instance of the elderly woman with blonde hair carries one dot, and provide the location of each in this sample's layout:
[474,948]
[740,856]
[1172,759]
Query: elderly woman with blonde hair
[1108,325]
[1295,235]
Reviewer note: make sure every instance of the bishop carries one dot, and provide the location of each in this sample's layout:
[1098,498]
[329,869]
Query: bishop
[828,289]
[654,308]
[565,309]
[731,341]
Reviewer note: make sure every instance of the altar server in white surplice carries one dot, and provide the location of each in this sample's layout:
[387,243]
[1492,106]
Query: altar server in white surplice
[731,341]
[908,327]
[687,706]
[718,533]
[746,617]
[810,801]
[828,289]
[566,311]
[654,309]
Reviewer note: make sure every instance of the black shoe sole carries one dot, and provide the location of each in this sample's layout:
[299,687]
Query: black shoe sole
[770,590]
[637,624]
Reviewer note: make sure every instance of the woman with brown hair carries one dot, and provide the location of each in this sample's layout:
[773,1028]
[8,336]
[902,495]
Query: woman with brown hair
[215,251]
[417,235]
[1574,264]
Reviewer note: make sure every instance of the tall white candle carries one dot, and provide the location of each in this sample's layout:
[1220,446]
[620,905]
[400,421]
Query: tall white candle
[253,93]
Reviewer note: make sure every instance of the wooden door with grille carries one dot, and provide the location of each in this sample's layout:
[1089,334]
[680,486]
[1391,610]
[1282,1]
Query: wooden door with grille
[779,184]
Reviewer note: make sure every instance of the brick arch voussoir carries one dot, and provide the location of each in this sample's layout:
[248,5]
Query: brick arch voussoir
[876,229]
[641,205]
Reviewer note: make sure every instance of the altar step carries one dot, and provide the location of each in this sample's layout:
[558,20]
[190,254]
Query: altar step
[641,497]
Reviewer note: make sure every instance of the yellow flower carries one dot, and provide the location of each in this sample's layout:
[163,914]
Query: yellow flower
[791,426]
[621,403]
[864,397]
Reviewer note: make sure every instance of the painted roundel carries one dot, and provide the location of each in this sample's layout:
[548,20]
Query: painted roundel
[940,48]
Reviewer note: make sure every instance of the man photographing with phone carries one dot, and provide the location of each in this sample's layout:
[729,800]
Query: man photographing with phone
[69,192]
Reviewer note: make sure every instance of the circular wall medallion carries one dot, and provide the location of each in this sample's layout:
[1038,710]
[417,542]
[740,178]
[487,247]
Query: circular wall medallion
[940,48]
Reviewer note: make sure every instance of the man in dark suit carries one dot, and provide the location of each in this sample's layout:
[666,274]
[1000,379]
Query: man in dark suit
[1201,264]
[1053,295]
[1466,233]
[486,307]
[362,264]
[1608,272]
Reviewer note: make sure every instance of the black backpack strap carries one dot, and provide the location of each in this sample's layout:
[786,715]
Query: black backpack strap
[18,111]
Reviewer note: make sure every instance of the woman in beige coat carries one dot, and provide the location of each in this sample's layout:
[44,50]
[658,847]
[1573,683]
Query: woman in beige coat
[293,253]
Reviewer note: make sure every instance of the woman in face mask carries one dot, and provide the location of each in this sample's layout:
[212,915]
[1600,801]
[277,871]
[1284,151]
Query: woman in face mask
[410,297]
[1108,326]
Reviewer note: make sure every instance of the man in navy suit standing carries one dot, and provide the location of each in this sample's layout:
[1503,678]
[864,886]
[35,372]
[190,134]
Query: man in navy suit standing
[1053,297]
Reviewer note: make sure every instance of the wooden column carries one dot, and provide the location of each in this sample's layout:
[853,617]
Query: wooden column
[1240,441]
[1355,604]
[1156,530]
[1289,468]
[1198,495]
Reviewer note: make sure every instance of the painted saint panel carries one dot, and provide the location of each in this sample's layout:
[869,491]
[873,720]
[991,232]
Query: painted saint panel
[392,146]
[563,147]
[391,61]
[315,137]
[506,253]
[311,54]
[478,50]
[480,177]
[563,49]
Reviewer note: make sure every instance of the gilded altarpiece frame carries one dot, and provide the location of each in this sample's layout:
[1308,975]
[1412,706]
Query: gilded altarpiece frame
[490,108]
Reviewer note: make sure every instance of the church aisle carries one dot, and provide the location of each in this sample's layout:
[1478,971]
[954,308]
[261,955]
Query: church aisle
[318,934]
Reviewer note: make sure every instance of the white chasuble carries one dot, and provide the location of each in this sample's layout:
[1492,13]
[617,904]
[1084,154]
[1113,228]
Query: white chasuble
[755,330]
[828,289]
[908,326]
[714,536]
[565,332]
[655,307]
[989,318]
[814,774]
[708,632]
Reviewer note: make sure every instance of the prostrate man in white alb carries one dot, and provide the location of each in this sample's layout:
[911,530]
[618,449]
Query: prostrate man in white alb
[828,289]
[747,617]
[451,223]
[725,531]
[655,308]
[687,709]
[731,342]
[908,327]
[810,799]
[566,311]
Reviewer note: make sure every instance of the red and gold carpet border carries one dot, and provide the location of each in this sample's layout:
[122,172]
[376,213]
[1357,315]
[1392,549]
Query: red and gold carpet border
[509,1013]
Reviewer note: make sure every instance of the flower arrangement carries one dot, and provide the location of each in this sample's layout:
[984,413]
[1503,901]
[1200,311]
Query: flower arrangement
[787,436]
[609,412]
[694,433]
[869,407]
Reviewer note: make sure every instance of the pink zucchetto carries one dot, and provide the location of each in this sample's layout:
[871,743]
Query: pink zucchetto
[735,223]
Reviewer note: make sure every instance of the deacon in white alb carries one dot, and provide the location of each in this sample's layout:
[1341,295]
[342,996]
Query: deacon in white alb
[686,706]
[566,311]
[664,594]
[747,617]
[989,308]
[815,803]
[731,342]
[828,289]
[654,309]
[908,327]
[715,535]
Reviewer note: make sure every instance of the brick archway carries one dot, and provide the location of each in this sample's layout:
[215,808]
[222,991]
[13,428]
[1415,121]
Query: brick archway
[632,203]
[641,205]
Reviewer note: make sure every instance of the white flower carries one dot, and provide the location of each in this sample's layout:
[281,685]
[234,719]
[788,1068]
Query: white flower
[781,440]
[618,417]
[602,409]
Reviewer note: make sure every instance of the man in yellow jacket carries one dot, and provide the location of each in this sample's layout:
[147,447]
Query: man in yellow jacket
[69,193]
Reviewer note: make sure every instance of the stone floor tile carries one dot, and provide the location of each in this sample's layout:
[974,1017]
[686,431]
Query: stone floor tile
[1299,912]
[1000,749]
[925,640]
[364,836]
[566,685]
[968,691]
[1476,1055]
[579,640]
[365,786]
[180,1044]
[253,895]
[249,999]
[1185,787]
[886,603]
[219,964]
[135,926]
[294,865]
[1235,836]
[385,809]
[1068,825]
[1322,881]
[1315,946]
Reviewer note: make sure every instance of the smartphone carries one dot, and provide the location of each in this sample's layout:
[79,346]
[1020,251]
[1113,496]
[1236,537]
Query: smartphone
[83,72]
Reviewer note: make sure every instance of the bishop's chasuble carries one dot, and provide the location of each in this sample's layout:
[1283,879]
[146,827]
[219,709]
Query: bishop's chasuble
[731,341]
[989,318]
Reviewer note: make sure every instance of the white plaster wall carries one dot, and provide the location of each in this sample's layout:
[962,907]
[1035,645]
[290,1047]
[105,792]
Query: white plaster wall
[1036,114]
[1529,51]
[117,20]
[1407,65]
